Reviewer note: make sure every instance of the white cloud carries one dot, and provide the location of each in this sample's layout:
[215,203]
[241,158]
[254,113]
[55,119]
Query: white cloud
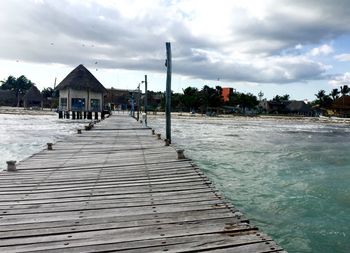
[340,80]
[342,57]
[242,40]
[298,47]
[322,50]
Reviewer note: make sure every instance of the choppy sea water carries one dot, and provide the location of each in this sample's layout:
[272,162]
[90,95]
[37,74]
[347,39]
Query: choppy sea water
[291,179]
[24,135]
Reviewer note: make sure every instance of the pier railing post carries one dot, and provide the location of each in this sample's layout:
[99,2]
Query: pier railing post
[180,154]
[49,146]
[166,141]
[11,166]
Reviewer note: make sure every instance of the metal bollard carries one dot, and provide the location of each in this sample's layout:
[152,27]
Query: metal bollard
[180,154]
[49,146]
[167,143]
[79,131]
[11,166]
[158,136]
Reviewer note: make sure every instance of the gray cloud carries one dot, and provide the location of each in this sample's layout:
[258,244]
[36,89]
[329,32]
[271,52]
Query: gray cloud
[71,33]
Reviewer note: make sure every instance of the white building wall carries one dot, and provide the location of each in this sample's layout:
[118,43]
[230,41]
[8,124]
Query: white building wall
[63,94]
[69,93]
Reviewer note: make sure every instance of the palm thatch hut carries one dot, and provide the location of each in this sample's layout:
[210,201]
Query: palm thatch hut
[80,91]
[33,98]
[8,98]
[298,108]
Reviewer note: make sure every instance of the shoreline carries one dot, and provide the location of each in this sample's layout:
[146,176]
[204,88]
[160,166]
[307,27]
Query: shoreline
[22,111]
[187,115]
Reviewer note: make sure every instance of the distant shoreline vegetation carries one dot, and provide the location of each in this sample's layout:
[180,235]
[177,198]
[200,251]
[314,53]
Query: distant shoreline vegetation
[21,92]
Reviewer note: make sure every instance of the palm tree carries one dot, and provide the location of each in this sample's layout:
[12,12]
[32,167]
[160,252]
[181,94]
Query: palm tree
[321,94]
[344,90]
[334,94]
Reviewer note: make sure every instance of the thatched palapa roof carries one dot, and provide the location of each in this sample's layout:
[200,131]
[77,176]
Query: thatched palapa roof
[33,94]
[298,106]
[81,79]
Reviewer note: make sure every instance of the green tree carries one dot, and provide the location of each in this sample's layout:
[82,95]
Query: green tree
[210,97]
[49,92]
[245,101]
[19,85]
[176,101]
[278,98]
[9,83]
[323,100]
[334,94]
[344,90]
[191,99]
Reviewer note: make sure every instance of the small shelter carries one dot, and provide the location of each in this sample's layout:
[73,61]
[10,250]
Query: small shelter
[33,98]
[80,91]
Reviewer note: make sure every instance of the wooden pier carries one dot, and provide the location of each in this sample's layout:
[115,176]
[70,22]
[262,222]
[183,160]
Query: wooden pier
[118,188]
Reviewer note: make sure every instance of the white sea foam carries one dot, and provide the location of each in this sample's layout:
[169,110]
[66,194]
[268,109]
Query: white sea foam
[24,135]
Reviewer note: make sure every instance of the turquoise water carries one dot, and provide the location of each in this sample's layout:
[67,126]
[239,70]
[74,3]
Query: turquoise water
[291,179]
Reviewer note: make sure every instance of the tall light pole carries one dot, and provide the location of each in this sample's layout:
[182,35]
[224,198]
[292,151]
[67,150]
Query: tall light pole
[145,103]
[168,92]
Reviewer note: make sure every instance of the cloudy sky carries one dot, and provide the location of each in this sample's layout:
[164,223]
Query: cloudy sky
[275,46]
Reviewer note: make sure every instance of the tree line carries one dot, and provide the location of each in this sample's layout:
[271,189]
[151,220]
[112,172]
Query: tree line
[326,100]
[191,99]
[202,100]
[21,85]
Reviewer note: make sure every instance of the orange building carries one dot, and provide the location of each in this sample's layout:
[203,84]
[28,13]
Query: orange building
[226,92]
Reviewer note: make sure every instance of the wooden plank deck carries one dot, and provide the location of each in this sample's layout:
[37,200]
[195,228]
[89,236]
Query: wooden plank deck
[117,188]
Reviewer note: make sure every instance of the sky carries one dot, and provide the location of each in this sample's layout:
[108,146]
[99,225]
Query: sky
[279,47]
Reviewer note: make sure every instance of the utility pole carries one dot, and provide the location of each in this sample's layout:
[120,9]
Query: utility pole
[145,103]
[168,91]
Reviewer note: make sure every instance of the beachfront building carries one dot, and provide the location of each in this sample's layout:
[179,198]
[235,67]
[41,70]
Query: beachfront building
[119,99]
[226,92]
[289,107]
[33,99]
[8,98]
[341,106]
[80,93]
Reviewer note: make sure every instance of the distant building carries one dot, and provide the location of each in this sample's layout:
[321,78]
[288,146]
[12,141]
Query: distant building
[291,107]
[119,99]
[81,91]
[226,93]
[341,106]
[8,98]
[33,98]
